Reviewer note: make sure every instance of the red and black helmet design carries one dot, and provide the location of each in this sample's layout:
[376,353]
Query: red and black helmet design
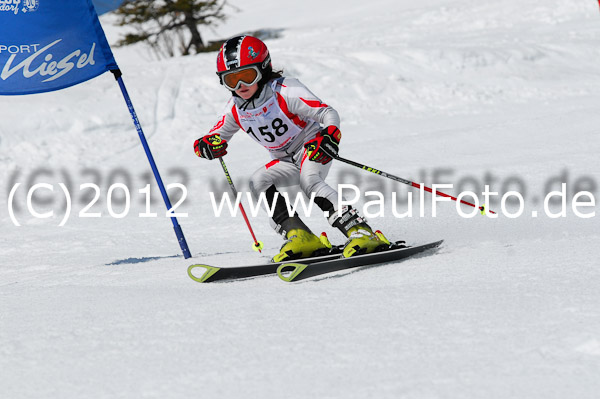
[243,51]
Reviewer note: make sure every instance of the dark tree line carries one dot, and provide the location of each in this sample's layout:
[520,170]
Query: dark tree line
[170,27]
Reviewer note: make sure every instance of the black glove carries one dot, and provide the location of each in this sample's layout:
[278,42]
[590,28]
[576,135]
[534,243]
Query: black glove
[324,146]
[210,146]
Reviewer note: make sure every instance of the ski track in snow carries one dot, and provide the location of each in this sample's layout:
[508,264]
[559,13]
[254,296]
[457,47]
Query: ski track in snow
[506,308]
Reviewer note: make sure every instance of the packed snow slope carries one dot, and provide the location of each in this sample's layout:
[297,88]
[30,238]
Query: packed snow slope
[466,92]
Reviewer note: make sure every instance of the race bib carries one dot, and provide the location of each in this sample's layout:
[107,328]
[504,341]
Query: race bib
[269,125]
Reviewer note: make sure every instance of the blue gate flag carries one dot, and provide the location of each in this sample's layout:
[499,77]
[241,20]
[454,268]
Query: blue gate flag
[49,45]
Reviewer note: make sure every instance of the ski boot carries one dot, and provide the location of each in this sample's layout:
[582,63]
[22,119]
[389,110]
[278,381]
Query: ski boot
[361,238]
[300,241]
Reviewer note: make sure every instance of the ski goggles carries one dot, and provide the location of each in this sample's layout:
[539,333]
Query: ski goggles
[234,79]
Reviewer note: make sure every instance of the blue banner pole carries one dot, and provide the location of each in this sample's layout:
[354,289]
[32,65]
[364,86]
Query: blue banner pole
[161,186]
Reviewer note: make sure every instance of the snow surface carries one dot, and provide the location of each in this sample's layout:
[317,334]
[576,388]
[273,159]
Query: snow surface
[507,308]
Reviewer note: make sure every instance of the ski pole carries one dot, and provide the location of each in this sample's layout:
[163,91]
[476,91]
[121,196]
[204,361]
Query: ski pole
[258,245]
[408,182]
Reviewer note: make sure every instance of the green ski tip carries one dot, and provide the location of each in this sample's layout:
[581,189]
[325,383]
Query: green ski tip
[208,273]
[296,269]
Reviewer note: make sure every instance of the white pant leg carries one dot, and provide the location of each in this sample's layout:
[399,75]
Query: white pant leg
[279,172]
[312,180]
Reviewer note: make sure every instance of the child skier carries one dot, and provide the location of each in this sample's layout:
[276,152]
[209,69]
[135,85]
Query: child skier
[302,136]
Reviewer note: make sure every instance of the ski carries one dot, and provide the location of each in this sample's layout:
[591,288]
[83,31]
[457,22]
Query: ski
[213,273]
[301,271]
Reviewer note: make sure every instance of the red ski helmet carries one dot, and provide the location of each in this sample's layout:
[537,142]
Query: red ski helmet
[241,52]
